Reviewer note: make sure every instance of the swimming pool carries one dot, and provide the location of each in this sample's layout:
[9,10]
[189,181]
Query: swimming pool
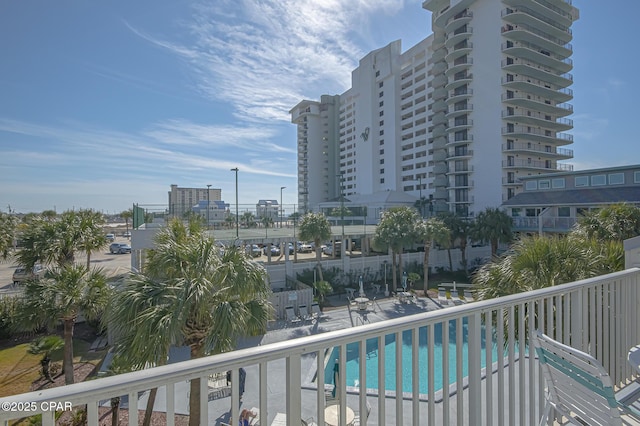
[353,359]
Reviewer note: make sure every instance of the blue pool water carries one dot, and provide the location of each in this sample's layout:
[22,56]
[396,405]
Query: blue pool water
[353,360]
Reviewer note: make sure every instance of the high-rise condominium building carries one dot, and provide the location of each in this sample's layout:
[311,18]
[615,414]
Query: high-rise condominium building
[459,117]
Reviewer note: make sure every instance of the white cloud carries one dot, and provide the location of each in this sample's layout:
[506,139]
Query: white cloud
[264,57]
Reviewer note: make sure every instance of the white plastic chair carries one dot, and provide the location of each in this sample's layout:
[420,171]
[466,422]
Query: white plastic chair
[580,389]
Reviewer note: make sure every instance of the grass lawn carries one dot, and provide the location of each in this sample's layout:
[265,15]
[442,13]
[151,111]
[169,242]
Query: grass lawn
[19,369]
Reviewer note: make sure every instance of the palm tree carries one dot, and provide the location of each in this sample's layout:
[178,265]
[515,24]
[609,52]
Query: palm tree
[52,241]
[266,222]
[432,230]
[459,228]
[248,219]
[65,292]
[494,226]
[617,222]
[315,227]
[126,215]
[8,229]
[396,230]
[191,294]
[230,220]
[91,232]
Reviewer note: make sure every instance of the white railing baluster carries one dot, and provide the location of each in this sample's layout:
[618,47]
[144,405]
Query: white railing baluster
[500,312]
[415,374]
[363,380]
[382,408]
[294,381]
[512,364]
[475,349]
[522,367]
[445,373]
[262,386]
[431,371]
[133,408]
[488,339]
[399,405]
[171,403]
[92,413]
[459,373]
[531,390]
[204,400]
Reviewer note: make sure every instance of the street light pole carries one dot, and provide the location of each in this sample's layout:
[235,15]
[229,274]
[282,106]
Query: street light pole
[208,205]
[281,208]
[421,200]
[237,217]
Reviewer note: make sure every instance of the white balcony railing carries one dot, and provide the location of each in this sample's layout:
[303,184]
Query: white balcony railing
[598,315]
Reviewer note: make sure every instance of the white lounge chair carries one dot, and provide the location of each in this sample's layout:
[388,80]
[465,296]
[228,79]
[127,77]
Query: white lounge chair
[316,312]
[468,296]
[303,313]
[291,315]
[442,296]
[579,388]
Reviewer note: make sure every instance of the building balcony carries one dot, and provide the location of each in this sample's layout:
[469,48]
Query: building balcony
[444,15]
[527,101]
[549,224]
[458,36]
[459,140]
[457,125]
[438,106]
[458,95]
[456,21]
[530,34]
[458,50]
[553,9]
[537,87]
[458,65]
[460,169]
[525,16]
[439,81]
[546,151]
[458,154]
[538,119]
[536,165]
[540,135]
[439,54]
[456,110]
[530,52]
[537,71]
[458,81]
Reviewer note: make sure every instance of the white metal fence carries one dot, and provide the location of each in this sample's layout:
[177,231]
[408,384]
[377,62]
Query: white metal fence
[598,315]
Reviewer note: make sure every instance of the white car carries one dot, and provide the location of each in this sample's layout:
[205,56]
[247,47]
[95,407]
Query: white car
[305,248]
[111,237]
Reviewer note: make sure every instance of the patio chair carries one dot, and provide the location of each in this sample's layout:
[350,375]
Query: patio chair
[291,315]
[303,313]
[316,312]
[442,296]
[580,389]
[468,296]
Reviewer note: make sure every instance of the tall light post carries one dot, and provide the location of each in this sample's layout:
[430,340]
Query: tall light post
[281,207]
[237,216]
[341,210]
[421,200]
[208,206]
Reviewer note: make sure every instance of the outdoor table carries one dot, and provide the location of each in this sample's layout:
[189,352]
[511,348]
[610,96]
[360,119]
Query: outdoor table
[332,415]
[350,291]
[634,357]
[362,302]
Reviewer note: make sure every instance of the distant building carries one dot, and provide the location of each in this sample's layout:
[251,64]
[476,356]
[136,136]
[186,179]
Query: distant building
[553,202]
[216,213]
[458,118]
[182,200]
[268,208]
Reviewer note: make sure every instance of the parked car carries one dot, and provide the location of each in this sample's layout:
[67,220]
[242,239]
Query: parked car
[24,274]
[127,234]
[304,248]
[275,250]
[119,248]
[111,237]
[253,250]
[328,250]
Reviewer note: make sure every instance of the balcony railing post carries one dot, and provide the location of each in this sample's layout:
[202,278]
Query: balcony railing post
[293,397]
[475,394]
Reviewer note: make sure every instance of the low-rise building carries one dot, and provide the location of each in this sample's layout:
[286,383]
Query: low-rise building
[554,202]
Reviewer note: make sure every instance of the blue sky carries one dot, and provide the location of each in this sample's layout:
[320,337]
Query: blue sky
[105,104]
